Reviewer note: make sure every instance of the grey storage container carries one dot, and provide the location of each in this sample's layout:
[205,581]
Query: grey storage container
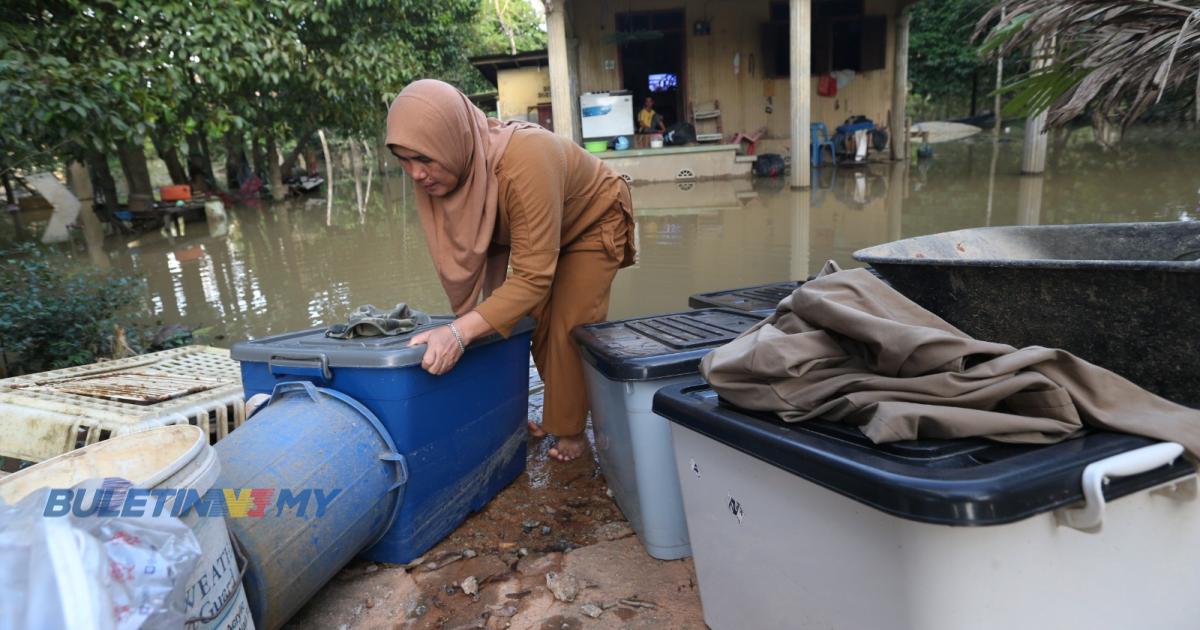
[625,363]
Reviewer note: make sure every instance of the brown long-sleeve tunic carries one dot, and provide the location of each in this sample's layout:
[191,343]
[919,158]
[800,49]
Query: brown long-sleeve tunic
[551,192]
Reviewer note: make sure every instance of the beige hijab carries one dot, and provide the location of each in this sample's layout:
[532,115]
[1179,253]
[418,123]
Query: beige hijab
[438,121]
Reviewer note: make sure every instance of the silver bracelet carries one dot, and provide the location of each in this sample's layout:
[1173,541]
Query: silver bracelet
[457,337]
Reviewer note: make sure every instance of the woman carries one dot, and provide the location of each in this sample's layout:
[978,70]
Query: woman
[492,194]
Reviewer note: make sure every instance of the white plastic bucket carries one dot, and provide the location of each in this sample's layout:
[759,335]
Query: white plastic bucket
[177,456]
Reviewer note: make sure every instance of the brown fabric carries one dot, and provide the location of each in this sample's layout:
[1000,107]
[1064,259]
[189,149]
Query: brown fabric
[551,193]
[579,295]
[847,347]
[436,120]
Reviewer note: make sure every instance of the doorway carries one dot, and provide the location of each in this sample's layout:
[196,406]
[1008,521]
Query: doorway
[650,49]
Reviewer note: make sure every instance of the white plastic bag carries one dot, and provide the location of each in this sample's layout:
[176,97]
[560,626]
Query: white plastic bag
[92,573]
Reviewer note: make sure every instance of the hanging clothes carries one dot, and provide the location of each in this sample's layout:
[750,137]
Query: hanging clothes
[847,347]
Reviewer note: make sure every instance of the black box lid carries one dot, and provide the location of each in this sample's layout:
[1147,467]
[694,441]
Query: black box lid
[762,298]
[967,482]
[659,346]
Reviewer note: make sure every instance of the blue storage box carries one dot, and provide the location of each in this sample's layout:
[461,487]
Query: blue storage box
[462,433]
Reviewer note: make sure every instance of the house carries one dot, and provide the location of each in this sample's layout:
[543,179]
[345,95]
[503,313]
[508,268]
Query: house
[731,66]
[522,85]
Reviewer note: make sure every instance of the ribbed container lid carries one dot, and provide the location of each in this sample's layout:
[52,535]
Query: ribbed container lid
[659,346]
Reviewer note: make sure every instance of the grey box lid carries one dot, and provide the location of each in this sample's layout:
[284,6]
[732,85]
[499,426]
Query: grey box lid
[363,352]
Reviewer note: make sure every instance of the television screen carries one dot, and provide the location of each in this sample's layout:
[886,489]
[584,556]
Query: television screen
[663,82]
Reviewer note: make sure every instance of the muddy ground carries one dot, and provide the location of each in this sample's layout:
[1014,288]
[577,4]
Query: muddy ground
[551,551]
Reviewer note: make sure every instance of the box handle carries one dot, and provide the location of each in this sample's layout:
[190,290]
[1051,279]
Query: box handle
[1090,517]
[313,366]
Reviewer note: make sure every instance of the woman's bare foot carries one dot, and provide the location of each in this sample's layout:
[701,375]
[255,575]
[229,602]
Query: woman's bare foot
[568,447]
[535,429]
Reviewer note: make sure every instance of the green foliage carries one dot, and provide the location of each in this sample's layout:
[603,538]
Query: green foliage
[942,59]
[79,74]
[490,36]
[51,317]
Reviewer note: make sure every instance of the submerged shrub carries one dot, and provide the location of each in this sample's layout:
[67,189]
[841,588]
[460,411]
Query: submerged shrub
[52,316]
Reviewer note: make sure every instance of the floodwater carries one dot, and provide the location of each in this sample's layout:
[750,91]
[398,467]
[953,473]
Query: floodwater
[273,268]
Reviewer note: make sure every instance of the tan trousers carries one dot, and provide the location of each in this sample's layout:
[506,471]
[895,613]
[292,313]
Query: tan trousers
[579,295]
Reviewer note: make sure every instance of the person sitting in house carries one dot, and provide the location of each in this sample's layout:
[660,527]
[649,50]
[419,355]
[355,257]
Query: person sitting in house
[648,120]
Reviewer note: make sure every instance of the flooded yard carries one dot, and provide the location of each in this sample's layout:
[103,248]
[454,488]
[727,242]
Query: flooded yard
[273,268]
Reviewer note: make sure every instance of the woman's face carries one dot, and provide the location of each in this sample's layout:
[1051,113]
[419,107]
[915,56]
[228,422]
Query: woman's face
[437,180]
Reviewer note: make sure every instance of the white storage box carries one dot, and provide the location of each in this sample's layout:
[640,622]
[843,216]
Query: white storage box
[49,413]
[625,362]
[813,526]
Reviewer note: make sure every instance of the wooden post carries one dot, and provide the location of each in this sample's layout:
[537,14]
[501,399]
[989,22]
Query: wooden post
[899,121]
[800,41]
[998,120]
[1198,95]
[894,199]
[562,99]
[1033,160]
[801,237]
[1029,200]
[328,178]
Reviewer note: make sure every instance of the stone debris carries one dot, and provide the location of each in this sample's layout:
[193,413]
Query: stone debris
[469,553]
[545,530]
[470,586]
[370,603]
[530,525]
[613,531]
[591,610]
[446,560]
[371,568]
[564,586]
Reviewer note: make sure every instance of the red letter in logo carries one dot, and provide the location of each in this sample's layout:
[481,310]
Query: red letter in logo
[262,499]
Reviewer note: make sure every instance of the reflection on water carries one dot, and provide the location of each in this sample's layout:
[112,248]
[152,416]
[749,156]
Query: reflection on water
[279,267]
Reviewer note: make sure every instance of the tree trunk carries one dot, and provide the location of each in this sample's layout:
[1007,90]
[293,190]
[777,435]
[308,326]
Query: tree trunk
[199,164]
[104,187]
[974,92]
[274,174]
[234,158]
[8,190]
[170,156]
[137,175]
[289,162]
[257,155]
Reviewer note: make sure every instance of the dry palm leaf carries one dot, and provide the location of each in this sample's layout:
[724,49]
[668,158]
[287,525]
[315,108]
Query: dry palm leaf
[1112,55]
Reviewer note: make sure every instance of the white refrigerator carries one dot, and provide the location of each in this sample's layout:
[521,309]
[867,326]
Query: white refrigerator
[605,115]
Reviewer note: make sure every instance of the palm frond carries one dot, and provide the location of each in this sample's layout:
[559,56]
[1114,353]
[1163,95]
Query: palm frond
[1111,55]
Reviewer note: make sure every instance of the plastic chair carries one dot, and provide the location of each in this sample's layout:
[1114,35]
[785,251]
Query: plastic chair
[818,140]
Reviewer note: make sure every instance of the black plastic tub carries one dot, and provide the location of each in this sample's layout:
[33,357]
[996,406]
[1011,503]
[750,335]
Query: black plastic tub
[1125,296]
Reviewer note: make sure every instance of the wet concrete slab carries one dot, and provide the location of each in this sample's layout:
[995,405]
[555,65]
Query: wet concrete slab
[555,519]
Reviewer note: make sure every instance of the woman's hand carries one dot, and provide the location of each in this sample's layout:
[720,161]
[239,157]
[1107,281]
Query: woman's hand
[442,351]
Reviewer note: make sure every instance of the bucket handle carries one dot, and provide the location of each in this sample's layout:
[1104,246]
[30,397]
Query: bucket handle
[1090,517]
[292,386]
[391,455]
[239,553]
